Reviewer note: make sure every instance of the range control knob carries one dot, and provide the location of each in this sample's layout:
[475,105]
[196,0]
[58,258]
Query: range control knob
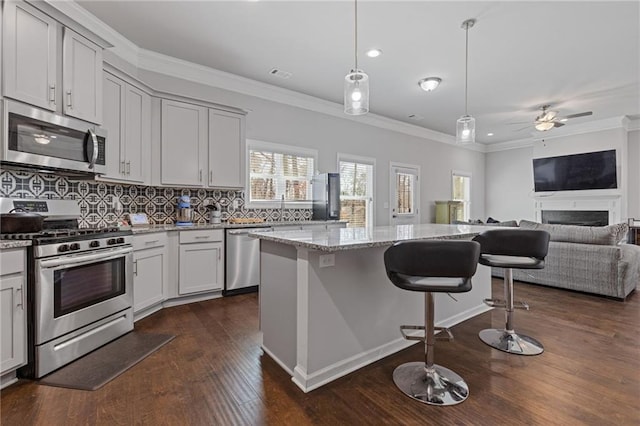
[74,246]
[94,244]
[120,240]
[111,241]
[63,248]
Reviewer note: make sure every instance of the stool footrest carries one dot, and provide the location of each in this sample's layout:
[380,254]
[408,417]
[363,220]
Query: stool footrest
[495,303]
[448,336]
[411,327]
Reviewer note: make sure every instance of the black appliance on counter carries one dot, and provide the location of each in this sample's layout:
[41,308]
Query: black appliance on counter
[325,189]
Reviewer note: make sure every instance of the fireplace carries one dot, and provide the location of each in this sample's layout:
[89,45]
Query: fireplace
[576,217]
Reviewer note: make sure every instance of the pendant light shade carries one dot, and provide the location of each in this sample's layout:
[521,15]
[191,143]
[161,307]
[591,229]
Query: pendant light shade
[466,125]
[356,93]
[356,83]
[465,129]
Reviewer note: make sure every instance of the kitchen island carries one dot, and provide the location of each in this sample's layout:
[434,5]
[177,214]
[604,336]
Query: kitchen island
[327,307]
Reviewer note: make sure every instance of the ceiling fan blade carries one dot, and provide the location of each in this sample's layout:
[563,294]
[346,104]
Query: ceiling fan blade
[518,122]
[522,128]
[557,124]
[580,114]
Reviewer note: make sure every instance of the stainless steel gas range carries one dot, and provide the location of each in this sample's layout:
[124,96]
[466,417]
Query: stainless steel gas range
[79,287]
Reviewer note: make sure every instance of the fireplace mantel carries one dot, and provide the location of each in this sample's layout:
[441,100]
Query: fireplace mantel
[610,203]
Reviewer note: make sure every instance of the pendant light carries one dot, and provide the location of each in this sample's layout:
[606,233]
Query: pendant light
[466,125]
[356,83]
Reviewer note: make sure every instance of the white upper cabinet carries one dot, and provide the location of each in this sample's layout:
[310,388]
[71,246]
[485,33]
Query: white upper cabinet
[226,149]
[183,144]
[30,55]
[82,75]
[127,118]
[32,52]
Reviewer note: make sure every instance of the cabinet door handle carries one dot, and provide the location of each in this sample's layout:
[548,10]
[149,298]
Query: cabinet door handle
[135,268]
[52,94]
[20,303]
[219,253]
[69,98]
[200,175]
[122,169]
[210,176]
[128,167]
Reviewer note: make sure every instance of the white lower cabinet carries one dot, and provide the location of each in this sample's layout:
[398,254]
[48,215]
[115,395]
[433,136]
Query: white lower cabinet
[201,265]
[13,318]
[150,271]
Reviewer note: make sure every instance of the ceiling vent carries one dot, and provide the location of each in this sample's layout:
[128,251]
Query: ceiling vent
[280,73]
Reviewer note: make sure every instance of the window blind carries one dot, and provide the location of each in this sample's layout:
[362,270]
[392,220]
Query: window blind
[356,193]
[274,174]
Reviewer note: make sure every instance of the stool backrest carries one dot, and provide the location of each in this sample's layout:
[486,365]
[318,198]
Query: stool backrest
[433,258]
[514,242]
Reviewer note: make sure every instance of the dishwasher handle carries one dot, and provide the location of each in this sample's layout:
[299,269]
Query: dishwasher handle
[246,231]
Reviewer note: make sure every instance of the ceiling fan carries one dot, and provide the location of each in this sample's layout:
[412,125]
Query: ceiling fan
[549,119]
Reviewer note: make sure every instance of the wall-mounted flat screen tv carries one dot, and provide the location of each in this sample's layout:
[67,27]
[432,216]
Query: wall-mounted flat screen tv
[591,170]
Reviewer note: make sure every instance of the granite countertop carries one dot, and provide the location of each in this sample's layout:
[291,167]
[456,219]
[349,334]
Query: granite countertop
[356,238]
[8,244]
[226,225]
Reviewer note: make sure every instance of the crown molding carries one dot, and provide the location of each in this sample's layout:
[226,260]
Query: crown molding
[632,124]
[505,146]
[121,46]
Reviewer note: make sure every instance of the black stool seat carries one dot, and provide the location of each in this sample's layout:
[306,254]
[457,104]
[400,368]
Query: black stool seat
[512,249]
[431,266]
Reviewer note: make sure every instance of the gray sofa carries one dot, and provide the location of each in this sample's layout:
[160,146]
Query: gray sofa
[585,258]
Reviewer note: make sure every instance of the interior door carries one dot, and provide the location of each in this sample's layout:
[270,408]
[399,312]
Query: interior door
[405,194]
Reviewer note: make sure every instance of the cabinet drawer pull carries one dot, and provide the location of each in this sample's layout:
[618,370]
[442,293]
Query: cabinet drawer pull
[199,237]
[152,241]
[52,94]
[69,98]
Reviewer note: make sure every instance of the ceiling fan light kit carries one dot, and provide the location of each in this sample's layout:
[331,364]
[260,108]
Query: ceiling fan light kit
[356,83]
[466,125]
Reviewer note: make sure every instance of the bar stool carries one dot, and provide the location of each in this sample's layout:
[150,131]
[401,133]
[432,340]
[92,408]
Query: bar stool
[431,266]
[509,249]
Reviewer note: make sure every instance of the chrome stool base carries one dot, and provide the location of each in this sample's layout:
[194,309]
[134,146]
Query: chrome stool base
[511,342]
[440,386]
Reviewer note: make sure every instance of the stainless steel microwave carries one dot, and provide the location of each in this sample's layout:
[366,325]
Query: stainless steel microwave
[41,139]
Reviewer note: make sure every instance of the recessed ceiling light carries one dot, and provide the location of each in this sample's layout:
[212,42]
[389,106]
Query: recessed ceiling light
[489,134]
[374,53]
[430,83]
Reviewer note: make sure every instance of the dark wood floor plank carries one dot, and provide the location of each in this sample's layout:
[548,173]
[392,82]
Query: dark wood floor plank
[214,373]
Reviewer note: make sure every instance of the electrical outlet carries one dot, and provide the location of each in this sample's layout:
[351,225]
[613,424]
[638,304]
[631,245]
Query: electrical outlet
[327,260]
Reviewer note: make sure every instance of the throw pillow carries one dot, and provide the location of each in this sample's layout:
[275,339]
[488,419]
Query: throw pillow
[600,235]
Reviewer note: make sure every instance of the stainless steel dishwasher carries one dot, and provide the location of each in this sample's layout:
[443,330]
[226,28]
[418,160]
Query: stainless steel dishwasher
[243,261]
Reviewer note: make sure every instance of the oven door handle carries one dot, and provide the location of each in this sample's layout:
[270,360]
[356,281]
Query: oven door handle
[84,259]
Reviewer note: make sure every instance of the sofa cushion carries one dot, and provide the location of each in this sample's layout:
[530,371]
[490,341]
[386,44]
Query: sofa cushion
[601,235]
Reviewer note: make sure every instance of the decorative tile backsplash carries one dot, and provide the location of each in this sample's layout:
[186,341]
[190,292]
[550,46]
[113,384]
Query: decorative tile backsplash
[96,199]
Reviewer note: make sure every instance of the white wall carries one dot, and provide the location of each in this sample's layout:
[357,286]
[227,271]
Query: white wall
[279,123]
[509,182]
[633,167]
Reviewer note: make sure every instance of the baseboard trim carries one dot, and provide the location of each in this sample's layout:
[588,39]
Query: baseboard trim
[277,360]
[308,382]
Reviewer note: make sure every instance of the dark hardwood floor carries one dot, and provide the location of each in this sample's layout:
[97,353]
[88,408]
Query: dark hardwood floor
[214,373]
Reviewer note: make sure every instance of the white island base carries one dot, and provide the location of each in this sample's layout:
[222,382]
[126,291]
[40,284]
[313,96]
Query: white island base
[321,323]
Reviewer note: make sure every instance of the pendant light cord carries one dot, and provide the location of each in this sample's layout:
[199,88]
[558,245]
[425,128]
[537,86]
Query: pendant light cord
[466,67]
[356,33]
